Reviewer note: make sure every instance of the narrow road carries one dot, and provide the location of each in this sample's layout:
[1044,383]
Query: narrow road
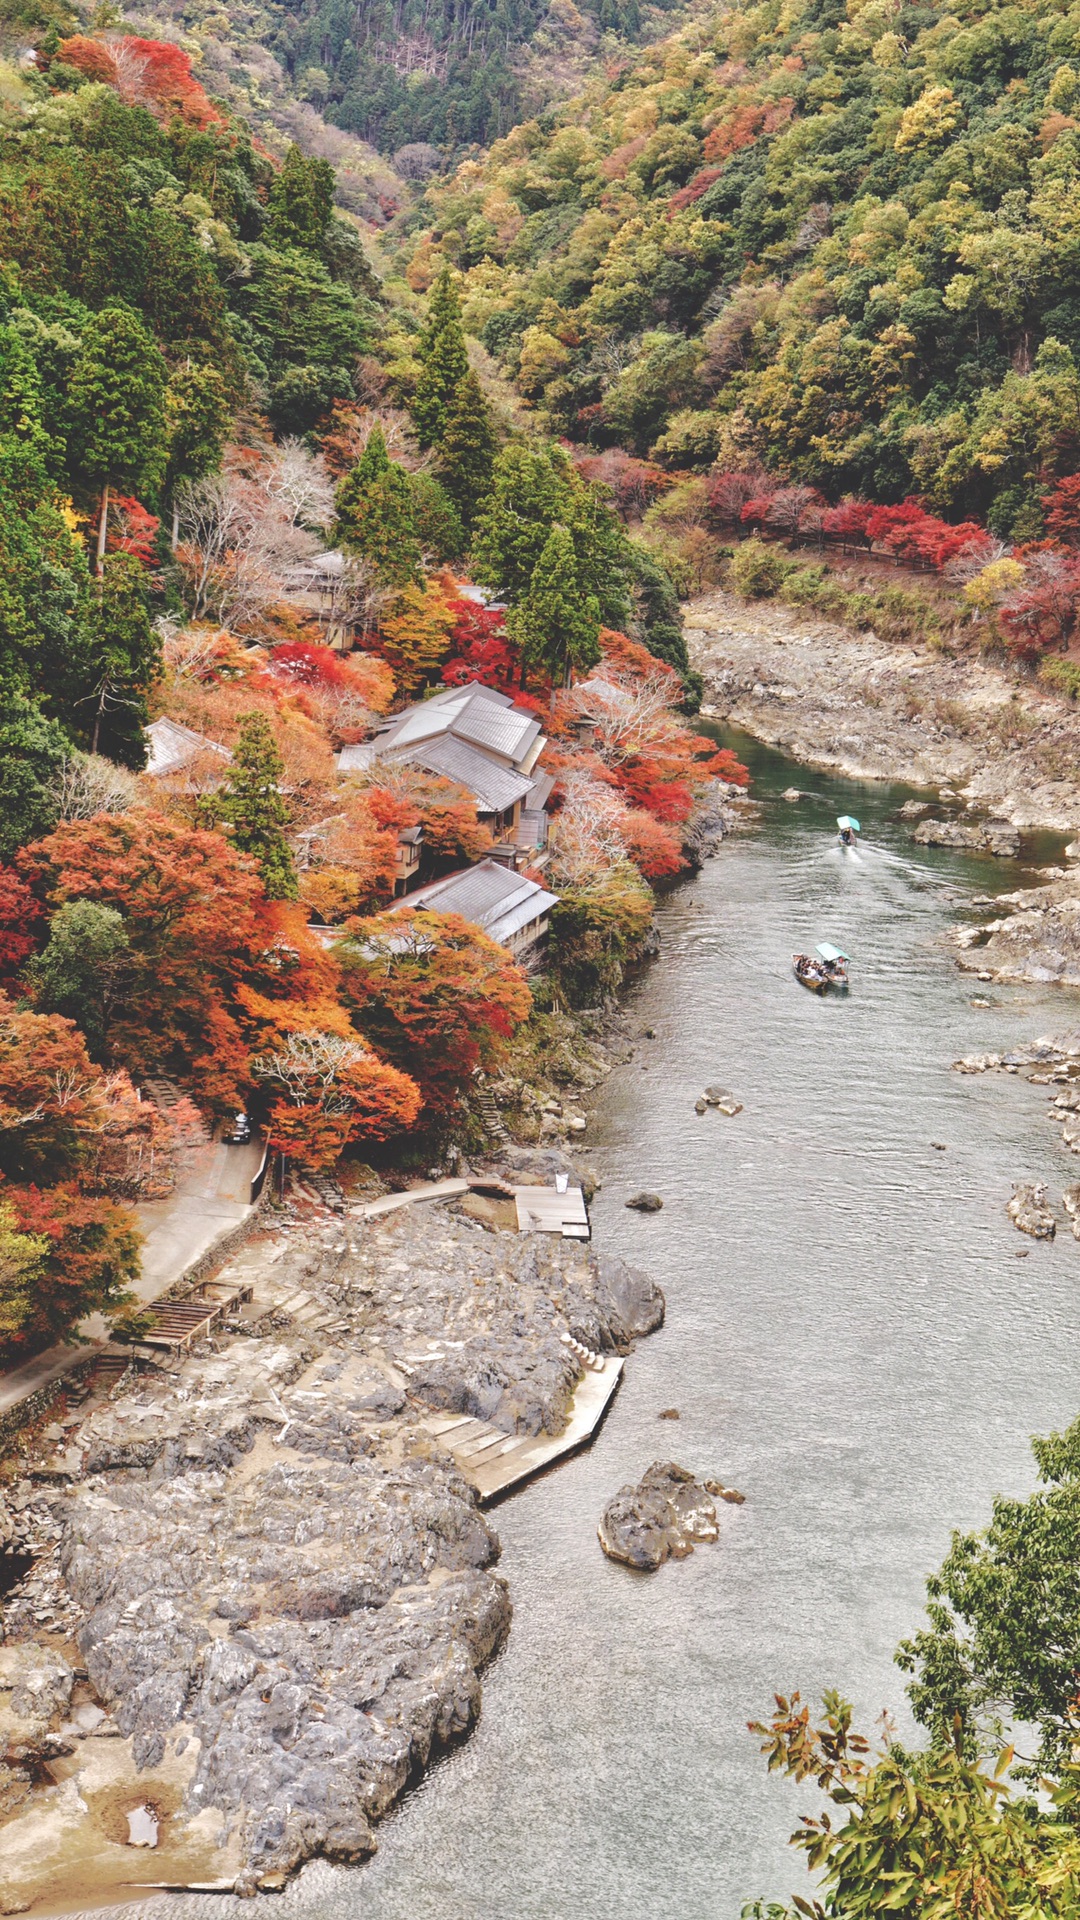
[211,1200]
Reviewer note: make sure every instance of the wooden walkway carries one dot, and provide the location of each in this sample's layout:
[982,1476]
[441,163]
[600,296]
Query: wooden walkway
[493,1461]
[539,1209]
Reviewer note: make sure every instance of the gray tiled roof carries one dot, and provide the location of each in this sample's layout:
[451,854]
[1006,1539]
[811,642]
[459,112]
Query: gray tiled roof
[171,746]
[494,898]
[493,786]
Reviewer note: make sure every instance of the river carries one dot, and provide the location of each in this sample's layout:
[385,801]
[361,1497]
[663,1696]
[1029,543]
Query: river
[851,1340]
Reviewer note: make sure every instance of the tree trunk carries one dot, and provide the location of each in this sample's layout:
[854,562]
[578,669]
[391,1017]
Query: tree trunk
[103,528]
[175,526]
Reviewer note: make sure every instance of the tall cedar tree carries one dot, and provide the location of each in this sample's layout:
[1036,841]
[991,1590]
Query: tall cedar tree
[116,404]
[124,660]
[445,362]
[301,203]
[468,449]
[251,805]
[534,489]
[376,516]
[557,624]
[197,421]
[32,749]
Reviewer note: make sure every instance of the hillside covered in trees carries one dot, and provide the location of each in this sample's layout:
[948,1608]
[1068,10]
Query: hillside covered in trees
[837,241]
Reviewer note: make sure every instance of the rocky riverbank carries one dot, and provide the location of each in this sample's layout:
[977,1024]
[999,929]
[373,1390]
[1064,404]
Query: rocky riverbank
[856,705]
[264,1593]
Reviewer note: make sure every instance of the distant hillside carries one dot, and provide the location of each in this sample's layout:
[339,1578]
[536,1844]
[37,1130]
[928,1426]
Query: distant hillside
[840,241]
[413,74]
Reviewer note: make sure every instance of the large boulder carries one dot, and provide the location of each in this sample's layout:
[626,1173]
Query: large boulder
[660,1519]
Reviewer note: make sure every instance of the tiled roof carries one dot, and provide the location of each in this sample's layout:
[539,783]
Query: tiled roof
[493,786]
[494,898]
[170,746]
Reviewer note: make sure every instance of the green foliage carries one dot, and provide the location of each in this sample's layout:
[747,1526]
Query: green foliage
[300,204]
[925,1836]
[556,623]
[439,531]
[79,972]
[596,932]
[197,420]
[466,454]
[116,401]
[22,1260]
[122,660]
[842,247]
[1062,675]
[303,331]
[757,571]
[534,490]
[444,363]
[1004,1616]
[31,751]
[251,805]
[377,515]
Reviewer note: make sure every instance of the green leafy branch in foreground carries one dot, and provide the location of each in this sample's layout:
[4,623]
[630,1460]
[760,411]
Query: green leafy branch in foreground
[927,1836]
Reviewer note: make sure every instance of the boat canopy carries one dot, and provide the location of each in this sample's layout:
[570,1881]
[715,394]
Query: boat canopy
[829,952]
[845,820]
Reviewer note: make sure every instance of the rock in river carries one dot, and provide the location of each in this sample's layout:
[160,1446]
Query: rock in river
[999,837]
[659,1519]
[645,1203]
[1029,1211]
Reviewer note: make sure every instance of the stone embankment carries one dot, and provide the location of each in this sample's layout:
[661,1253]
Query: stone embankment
[857,705]
[264,1594]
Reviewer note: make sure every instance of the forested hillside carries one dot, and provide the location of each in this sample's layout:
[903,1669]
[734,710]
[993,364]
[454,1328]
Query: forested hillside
[839,241]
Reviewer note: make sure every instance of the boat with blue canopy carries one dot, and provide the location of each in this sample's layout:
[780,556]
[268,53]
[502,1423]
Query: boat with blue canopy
[848,827]
[825,968]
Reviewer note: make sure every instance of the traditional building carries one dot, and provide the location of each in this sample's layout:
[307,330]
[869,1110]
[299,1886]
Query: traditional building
[503,904]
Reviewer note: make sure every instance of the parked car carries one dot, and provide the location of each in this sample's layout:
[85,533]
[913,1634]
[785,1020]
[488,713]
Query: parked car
[239,1133]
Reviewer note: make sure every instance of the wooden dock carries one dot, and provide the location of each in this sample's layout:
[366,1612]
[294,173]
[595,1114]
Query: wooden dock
[494,1462]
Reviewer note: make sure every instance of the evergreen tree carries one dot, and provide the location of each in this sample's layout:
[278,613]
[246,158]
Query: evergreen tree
[534,490]
[123,660]
[197,419]
[468,449]
[377,515]
[251,805]
[557,623]
[31,751]
[445,362]
[116,406]
[301,203]
[437,520]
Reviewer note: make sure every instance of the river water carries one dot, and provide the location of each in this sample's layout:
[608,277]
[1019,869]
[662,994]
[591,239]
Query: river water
[851,1340]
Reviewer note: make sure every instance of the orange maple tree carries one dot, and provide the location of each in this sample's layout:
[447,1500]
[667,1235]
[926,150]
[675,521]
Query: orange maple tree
[434,995]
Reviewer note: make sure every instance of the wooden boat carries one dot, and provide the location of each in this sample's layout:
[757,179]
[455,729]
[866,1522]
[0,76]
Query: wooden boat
[847,828]
[810,972]
[824,969]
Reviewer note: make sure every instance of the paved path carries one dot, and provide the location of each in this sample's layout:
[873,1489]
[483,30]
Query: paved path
[211,1200]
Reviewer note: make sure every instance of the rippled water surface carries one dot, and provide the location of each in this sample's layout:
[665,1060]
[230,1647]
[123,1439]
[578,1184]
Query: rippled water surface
[851,1340]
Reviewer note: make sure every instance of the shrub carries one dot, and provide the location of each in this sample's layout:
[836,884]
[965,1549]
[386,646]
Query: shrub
[756,571]
[1062,675]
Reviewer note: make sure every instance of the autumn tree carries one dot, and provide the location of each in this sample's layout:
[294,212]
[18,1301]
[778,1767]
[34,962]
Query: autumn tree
[434,995]
[416,632]
[189,902]
[116,402]
[467,450]
[444,362]
[88,1262]
[251,804]
[332,1091]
